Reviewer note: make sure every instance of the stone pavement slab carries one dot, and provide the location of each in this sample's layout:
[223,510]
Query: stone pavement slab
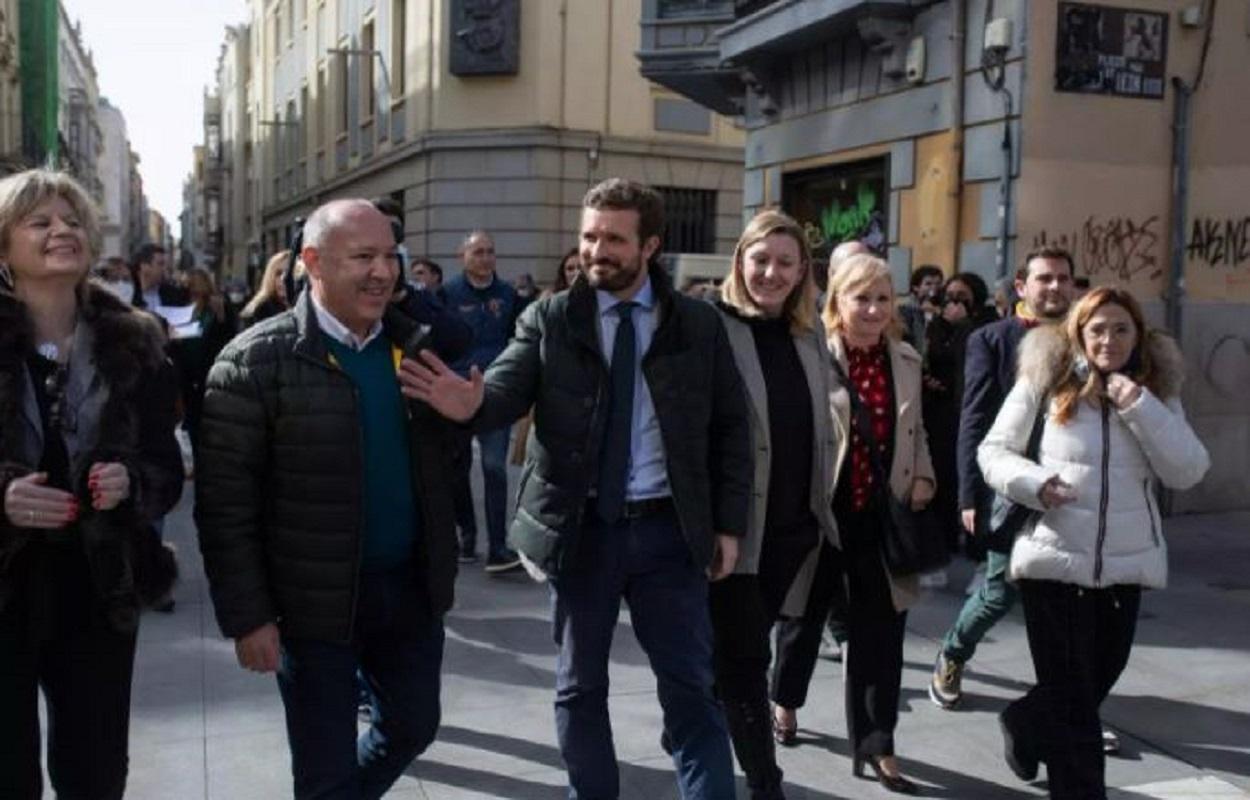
[204,728]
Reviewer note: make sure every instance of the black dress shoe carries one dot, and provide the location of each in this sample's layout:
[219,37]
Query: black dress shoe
[1019,759]
[894,783]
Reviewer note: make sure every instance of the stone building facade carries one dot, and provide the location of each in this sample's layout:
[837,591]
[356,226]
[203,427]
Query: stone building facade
[963,133]
[371,98]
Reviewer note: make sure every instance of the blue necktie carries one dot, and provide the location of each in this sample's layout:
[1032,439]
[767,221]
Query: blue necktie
[614,455]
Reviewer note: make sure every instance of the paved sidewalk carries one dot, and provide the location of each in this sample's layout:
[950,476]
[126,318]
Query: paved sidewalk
[204,728]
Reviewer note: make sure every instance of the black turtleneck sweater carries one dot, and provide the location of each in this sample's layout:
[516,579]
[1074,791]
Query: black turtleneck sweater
[790,428]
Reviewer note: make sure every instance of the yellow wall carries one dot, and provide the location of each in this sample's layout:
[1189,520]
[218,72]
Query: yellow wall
[927,210]
[578,71]
[1096,173]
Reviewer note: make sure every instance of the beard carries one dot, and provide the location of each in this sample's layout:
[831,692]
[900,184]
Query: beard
[1054,309]
[612,275]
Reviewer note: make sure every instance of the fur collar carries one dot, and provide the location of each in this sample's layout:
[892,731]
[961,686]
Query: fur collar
[125,344]
[126,341]
[1045,359]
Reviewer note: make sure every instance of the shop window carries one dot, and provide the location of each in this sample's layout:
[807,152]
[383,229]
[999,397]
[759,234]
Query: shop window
[689,219]
[839,203]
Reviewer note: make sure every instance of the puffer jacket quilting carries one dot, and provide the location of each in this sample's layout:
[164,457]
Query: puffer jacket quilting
[278,492]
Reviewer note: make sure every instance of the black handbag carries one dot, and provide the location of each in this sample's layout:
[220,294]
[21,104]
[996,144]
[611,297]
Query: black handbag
[1007,517]
[912,542]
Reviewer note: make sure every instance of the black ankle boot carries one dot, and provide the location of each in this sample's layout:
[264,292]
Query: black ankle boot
[750,728]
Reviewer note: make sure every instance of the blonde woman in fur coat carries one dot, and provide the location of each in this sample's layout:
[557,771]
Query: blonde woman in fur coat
[1113,428]
[88,460]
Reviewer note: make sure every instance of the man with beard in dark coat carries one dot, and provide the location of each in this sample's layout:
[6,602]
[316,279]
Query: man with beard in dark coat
[636,486]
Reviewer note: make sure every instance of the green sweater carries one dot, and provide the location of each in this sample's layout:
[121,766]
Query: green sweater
[391,520]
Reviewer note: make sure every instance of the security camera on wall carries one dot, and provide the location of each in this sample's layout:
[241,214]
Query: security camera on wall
[998,35]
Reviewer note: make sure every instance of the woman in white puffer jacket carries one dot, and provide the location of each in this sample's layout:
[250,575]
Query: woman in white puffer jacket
[1113,427]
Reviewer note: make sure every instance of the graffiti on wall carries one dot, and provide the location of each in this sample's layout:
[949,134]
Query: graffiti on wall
[1219,242]
[836,223]
[1226,366]
[1112,248]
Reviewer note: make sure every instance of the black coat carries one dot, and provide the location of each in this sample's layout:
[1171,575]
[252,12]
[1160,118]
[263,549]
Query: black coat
[449,336]
[278,483]
[989,373]
[555,364]
[134,426]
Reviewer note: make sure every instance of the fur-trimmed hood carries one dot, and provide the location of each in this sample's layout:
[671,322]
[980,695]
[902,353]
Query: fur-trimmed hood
[1110,531]
[1046,358]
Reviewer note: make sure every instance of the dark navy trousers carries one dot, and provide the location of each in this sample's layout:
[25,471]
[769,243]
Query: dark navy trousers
[398,648]
[645,561]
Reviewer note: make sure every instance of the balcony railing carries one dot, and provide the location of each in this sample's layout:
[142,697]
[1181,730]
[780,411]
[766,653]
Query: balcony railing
[707,50]
[745,8]
[680,51]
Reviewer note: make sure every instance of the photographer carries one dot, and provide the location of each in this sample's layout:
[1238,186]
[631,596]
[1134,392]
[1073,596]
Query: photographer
[924,304]
[963,310]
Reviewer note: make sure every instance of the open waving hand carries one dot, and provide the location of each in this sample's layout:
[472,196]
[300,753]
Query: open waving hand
[428,379]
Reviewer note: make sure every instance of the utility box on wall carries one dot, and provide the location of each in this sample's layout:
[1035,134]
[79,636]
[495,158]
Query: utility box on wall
[485,37]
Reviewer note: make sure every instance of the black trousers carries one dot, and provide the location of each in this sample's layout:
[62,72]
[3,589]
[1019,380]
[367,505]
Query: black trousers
[743,610]
[798,640]
[1080,641]
[54,636]
[874,658]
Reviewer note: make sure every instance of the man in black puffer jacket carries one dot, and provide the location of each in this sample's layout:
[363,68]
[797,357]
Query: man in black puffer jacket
[324,519]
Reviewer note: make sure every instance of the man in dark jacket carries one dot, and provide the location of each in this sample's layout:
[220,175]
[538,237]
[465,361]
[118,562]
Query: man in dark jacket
[324,519]
[636,485]
[1044,283]
[154,290]
[921,305]
[489,305]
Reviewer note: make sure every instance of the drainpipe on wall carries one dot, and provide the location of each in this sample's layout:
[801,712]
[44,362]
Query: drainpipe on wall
[1180,204]
[994,73]
[1182,113]
[1004,191]
[958,36]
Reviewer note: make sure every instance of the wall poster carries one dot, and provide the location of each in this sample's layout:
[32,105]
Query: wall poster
[1116,51]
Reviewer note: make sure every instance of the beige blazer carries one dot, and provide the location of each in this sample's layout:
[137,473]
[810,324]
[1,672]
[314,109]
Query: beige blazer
[816,368]
[911,449]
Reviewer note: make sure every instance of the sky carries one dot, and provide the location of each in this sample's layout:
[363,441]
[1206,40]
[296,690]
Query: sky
[153,60]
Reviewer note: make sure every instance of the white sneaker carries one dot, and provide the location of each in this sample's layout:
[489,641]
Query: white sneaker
[1110,742]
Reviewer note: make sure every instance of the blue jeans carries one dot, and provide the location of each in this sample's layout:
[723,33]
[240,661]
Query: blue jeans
[398,649]
[982,610]
[647,562]
[494,449]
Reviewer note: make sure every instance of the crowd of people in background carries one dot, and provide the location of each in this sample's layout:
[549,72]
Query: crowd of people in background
[331,419]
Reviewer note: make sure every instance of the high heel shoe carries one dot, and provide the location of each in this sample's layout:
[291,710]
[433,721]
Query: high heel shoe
[785,735]
[894,783]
